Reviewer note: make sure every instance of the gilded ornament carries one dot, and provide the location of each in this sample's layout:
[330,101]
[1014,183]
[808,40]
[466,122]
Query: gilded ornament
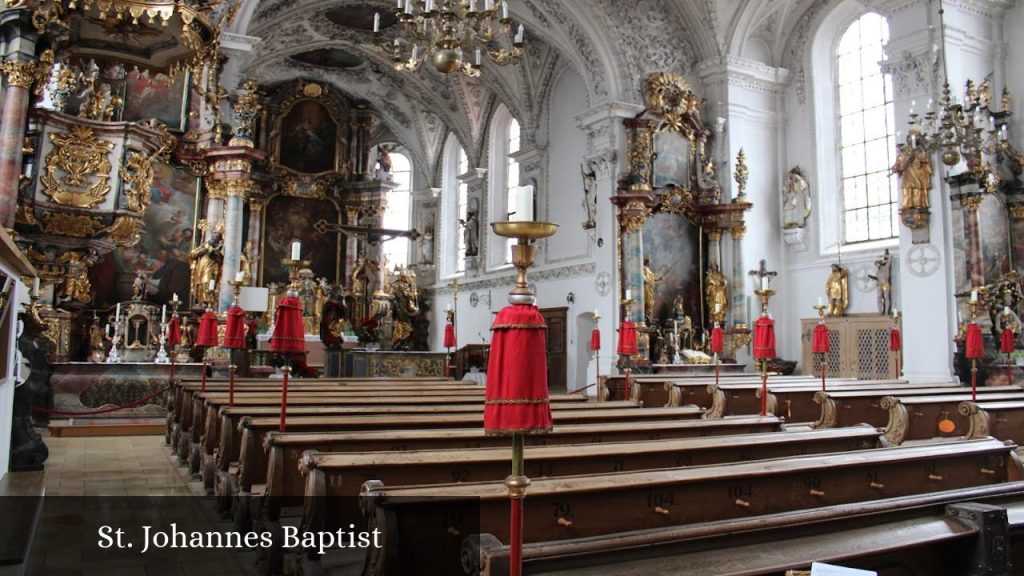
[24,215]
[971,202]
[232,165]
[20,74]
[137,172]
[738,232]
[740,175]
[641,150]
[312,90]
[75,225]
[226,188]
[669,95]
[76,284]
[78,168]
[1017,211]
[124,231]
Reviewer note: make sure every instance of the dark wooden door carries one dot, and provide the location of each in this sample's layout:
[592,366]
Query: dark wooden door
[557,340]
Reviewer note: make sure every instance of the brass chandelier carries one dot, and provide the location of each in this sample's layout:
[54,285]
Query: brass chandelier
[455,35]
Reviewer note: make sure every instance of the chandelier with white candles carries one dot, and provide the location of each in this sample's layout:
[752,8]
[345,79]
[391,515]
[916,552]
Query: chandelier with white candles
[455,35]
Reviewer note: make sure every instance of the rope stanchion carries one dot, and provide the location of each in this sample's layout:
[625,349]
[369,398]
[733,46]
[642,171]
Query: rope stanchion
[132,404]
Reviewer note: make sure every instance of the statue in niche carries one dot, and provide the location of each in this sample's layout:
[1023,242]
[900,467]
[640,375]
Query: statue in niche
[717,293]
[405,306]
[139,285]
[837,289]
[589,195]
[334,318]
[76,286]
[683,324]
[426,244]
[650,294]
[205,263]
[914,167]
[471,232]
[883,276]
[384,160]
[97,341]
[796,200]
[364,269]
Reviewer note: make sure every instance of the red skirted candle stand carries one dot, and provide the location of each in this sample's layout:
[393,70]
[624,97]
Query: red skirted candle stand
[234,337]
[974,345]
[207,337]
[288,339]
[449,339]
[627,342]
[717,346]
[517,383]
[896,340]
[174,334]
[1007,342]
[820,344]
[764,341]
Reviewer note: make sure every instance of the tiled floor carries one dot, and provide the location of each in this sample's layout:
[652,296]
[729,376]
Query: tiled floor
[112,466]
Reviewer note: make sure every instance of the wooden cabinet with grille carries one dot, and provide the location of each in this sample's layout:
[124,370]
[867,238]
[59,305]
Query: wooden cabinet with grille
[859,347]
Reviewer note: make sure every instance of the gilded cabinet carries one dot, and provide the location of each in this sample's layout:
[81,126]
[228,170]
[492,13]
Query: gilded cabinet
[859,347]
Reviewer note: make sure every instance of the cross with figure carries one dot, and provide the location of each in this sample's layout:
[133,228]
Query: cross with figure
[763,272]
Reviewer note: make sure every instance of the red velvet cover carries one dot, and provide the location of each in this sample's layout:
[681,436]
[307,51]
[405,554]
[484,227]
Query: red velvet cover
[819,342]
[895,340]
[174,331]
[1007,341]
[288,335]
[517,374]
[234,332]
[207,329]
[975,347]
[449,336]
[595,339]
[717,340]
[764,338]
[627,339]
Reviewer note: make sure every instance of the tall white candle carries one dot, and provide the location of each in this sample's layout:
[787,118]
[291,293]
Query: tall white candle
[174,297]
[628,294]
[524,205]
[596,314]
[1006,310]
[895,312]
[764,282]
[35,286]
[376,22]
[296,250]
[117,313]
[519,35]
[239,276]
[163,315]
[479,58]
[974,295]
[504,9]
[213,285]
[821,300]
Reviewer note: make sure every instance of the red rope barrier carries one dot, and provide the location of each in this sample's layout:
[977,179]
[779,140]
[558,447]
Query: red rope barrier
[101,410]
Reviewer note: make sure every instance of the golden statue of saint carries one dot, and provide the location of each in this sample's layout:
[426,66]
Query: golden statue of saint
[650,296]
[717,293]
[914,167]
[205,263]
[838,291]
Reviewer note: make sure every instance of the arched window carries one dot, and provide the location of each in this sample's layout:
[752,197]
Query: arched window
[454,203]
[867,142]
[398,212]
[503,181]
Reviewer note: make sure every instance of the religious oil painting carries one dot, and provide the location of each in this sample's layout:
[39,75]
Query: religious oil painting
[671,160]
[156,95]
[308,139]
[287,219]
[673,245]
[995,239]
[163,250]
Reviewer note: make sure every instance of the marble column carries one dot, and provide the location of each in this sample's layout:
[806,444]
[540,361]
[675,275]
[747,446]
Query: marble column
[20,71]
[972,232]
[230,179]
[351,244]
[254,252]
[737,295]
[634,208]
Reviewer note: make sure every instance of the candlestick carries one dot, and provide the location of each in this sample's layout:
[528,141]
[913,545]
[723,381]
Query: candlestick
[174,297]
[117,313]
[163,315]
[296,250]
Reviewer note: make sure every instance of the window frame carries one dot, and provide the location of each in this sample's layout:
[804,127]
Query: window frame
[400,150]
[500,160]
[452,263]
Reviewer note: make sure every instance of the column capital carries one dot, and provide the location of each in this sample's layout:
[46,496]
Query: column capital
[24,74]
[474,177]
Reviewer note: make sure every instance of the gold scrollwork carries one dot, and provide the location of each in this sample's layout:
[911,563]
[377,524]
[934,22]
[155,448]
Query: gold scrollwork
[317,189]
[669,95]
[971,202]
[220,189]
[641,147]
[75,225]
[232,165]
[80,156]
[25,74]
[738,232]
[137,172]
[124,231]
[1017,211]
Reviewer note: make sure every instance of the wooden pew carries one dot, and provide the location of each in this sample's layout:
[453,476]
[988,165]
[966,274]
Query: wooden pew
[696,391]
[797,400]
[919,418]
[595,506]
[662,389]
[225,437]
[888,535]
[1002,420]
[284,451]
[845,408]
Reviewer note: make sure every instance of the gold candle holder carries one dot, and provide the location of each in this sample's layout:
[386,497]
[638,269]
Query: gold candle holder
[523,253]
[236,290]
[821,311]
[765,296]
[294,267]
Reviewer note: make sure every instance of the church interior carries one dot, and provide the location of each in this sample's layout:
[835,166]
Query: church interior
[733,287]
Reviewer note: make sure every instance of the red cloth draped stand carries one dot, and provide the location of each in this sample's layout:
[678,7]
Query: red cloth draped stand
[517,401]
[627,348]
[974,349]
[895,345]
[287,339]
[173,339]
[717,346]
[821,346]
[1007,342]
[764,350]
[449,343]
[595,347]
[234,339]
[206,337]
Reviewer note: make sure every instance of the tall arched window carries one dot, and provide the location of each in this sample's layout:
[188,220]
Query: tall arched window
[503,181]
[866,126]
[454,203]
[398,212]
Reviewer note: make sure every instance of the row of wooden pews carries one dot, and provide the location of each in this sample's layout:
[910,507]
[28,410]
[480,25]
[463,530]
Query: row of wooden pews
[676,489]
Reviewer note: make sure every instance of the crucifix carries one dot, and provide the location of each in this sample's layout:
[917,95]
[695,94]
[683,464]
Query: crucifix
[763,272]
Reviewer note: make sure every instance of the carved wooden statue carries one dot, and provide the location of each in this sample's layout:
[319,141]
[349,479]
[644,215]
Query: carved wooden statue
[717,293]
[914,166]
[837,288]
